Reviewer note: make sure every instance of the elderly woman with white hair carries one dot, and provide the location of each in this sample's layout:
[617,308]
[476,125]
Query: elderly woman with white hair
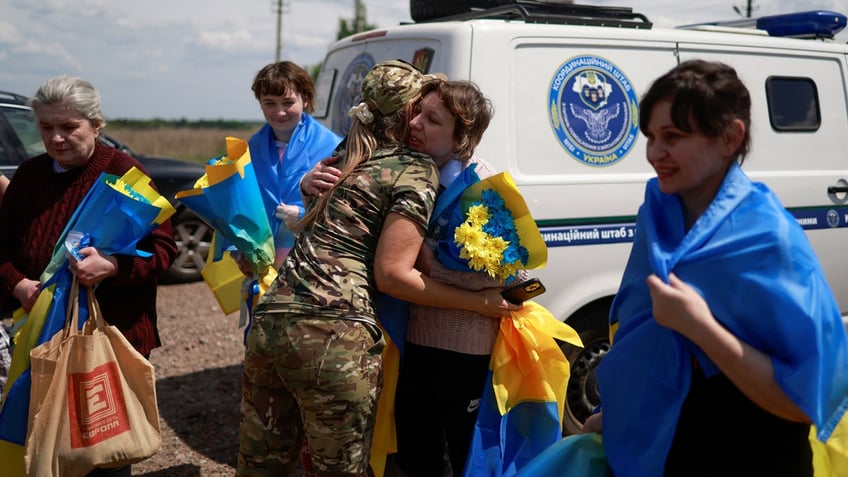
[42,199]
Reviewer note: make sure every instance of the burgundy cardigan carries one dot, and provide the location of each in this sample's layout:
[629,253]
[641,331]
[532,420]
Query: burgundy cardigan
[39,203]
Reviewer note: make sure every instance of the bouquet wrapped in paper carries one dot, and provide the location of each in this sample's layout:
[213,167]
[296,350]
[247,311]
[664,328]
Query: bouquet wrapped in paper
[227,197]
[493,231]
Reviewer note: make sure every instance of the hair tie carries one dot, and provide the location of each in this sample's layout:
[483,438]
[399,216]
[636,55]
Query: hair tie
[361,112]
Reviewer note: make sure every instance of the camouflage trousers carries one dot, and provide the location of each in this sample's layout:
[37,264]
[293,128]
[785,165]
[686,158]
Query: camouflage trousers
[316,379]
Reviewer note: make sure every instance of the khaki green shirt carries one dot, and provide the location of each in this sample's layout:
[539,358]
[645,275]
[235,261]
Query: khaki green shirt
[329,272]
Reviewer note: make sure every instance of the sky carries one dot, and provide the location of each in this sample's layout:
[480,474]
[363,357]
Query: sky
[195,59]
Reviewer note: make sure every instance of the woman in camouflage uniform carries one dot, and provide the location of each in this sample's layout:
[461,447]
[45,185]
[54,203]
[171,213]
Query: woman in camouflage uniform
[313,358]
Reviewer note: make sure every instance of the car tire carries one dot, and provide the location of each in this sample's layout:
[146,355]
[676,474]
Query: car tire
[193,237]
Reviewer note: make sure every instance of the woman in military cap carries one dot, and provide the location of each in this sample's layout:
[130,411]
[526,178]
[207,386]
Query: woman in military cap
[313,360]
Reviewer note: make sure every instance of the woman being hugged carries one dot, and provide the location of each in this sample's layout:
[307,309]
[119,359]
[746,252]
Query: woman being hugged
[313,358]
[730,343]
[447,350]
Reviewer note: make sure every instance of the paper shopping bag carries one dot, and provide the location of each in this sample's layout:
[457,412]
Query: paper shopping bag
[93,400]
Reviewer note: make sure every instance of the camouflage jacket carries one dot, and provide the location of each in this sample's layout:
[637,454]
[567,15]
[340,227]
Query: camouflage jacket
[329,272]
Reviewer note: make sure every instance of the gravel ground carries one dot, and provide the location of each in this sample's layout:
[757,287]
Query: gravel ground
[198,372]
[198,385]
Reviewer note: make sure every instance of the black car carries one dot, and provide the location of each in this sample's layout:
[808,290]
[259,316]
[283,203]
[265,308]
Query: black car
[20,140]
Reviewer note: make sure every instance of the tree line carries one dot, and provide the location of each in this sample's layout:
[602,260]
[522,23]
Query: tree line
[184,123]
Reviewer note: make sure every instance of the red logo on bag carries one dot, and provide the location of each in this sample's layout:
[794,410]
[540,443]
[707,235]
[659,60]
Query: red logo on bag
[96,409]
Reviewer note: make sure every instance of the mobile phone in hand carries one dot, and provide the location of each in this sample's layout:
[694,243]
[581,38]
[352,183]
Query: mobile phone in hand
[521,292]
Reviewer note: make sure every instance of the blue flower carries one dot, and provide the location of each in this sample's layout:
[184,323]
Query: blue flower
[488,238]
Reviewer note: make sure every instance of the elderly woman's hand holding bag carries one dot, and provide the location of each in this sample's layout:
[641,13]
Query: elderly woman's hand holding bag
[93,401]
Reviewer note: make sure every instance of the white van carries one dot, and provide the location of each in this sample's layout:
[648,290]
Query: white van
[579,159]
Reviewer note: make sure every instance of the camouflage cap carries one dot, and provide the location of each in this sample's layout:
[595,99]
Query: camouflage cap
[391,84]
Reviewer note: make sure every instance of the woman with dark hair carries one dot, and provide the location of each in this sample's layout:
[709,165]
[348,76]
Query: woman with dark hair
[730,343]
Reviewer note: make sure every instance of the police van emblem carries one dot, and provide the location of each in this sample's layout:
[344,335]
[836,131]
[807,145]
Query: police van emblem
[593,110]
[348,94]
[832,218]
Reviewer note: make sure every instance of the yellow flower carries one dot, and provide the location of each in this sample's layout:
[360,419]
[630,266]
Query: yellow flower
[483,252]
[471,236]
[478,215]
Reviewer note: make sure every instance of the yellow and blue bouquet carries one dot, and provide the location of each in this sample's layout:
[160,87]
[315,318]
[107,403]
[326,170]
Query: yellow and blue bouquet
[497,234]
[488,238]
[227,197]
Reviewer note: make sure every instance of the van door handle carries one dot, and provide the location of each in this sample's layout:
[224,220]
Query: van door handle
[837,189]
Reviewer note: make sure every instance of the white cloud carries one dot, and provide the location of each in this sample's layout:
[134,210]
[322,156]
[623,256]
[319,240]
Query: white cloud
[196,58]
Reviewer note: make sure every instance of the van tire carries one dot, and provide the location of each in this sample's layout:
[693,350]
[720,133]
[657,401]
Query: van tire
[582,392]
[582,395]
[424,10]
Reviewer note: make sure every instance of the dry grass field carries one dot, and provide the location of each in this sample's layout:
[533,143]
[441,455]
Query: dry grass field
[193,144]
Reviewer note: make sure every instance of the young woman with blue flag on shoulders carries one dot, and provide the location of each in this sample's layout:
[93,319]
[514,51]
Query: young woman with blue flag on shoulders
[287,146]
[729,342]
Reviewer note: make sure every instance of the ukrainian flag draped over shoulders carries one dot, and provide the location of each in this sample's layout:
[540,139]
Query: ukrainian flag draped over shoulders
[753,264]
[309,143]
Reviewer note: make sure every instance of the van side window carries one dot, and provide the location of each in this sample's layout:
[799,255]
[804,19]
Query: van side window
[793,103]
[323,91]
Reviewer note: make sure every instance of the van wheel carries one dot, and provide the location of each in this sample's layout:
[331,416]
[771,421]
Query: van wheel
[582,395]
[424,10]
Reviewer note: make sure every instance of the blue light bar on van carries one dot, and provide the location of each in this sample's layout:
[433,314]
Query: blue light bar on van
[812,24]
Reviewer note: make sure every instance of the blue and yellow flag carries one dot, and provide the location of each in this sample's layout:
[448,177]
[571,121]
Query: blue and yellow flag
[524,399]
[830,458]
[114,215]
